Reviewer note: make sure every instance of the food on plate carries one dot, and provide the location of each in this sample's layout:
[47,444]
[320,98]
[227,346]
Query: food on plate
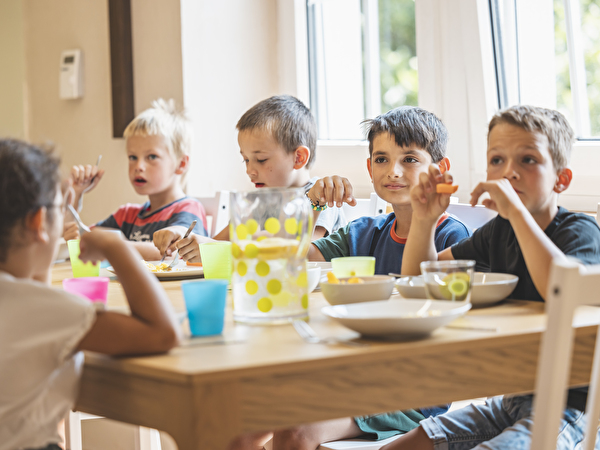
[355,280]
[193,264]
[332,279]
[446,188]
[159,268]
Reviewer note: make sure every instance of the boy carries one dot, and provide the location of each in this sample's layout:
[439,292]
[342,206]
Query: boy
[403,143]
[527,157]
[158,146]
[278,140]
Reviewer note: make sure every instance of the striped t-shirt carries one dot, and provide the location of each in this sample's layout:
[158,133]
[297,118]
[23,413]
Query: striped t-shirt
[138,224]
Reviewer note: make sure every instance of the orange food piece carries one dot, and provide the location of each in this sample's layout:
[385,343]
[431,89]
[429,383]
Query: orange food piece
[446,188]
[193,264]
[332,279]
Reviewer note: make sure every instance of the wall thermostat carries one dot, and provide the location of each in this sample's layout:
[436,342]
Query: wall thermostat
[71,74]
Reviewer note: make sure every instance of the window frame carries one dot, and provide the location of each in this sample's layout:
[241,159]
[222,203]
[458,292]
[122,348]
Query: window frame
[457,81]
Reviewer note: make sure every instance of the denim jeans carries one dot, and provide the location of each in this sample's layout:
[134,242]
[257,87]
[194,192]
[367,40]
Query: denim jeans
[503,423]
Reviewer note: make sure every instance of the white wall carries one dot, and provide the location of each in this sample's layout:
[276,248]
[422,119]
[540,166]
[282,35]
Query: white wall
[12,75]
[229,64]
[82,129]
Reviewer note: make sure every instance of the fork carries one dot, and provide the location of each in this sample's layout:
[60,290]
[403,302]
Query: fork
[176,257]
[308,334]
[82,225]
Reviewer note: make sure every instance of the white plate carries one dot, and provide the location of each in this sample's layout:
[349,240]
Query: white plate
[390,318]
[181,270]
[488,288]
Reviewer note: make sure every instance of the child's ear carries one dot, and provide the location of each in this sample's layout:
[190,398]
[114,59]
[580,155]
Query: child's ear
[563,180]
[183,163]
[444,165]
[369,168]
[36,224]
[301,157]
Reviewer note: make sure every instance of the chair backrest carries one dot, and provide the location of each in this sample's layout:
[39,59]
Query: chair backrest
[372,206]
[571,285]
[598,214]
[217,211]
[471,216]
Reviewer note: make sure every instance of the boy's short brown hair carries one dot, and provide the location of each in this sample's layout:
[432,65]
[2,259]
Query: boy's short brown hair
[548,122]
[288,120]
[410,125]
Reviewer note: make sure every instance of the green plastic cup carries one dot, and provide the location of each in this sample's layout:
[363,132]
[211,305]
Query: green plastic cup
[81,269]
[216,260]
[353,266]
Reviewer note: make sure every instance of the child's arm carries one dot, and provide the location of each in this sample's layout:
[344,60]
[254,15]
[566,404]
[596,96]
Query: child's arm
[70,231]
[84,178]
[147,250]
[538,250]
[427,207]
[152,326]
[169,239]
[314,254]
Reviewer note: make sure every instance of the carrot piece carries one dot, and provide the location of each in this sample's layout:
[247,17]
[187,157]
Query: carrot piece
[446,188]
[193,264]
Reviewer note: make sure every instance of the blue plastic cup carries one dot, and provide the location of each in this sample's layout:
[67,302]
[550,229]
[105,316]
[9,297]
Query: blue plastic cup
[205,304]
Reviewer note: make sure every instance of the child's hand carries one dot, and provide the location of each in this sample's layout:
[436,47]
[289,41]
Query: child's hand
[189,248]
[503,197]
[164,239]
[70,231]
[95,244]
[426,203]
[332,190]
[85,178]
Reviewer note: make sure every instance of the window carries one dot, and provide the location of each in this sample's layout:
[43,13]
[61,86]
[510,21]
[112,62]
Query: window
[548,53]
[362,61]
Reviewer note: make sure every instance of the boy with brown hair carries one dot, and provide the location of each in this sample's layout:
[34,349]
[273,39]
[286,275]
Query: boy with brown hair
[278,142]
[527,157]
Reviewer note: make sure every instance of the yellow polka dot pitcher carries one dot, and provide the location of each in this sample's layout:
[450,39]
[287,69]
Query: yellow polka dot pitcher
[270,233]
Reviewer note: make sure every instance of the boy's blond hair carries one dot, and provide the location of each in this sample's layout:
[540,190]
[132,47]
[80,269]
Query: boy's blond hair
[548,122]
[165,120]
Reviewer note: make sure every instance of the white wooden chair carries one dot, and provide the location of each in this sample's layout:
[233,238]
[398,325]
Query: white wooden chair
[471,216]
[217,211]
[571,285]
[598,214]
[145,438]
[372,206]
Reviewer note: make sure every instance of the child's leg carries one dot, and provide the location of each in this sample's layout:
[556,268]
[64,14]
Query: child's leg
[308,437]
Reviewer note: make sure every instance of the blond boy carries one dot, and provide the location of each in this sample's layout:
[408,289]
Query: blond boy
[158,147]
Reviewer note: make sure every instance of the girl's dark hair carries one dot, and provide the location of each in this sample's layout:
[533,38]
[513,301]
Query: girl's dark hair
[29,178]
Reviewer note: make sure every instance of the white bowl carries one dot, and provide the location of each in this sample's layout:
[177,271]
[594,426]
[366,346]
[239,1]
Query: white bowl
[314,276]
[377,287]
[488,288]
[392,318]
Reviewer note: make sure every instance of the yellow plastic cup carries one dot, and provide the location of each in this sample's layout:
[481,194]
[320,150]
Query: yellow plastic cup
[81,269]
[216,260]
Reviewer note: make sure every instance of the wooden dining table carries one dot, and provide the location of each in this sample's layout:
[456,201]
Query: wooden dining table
[253,378]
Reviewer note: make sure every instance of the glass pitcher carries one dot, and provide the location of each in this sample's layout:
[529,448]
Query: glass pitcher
[270,234]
